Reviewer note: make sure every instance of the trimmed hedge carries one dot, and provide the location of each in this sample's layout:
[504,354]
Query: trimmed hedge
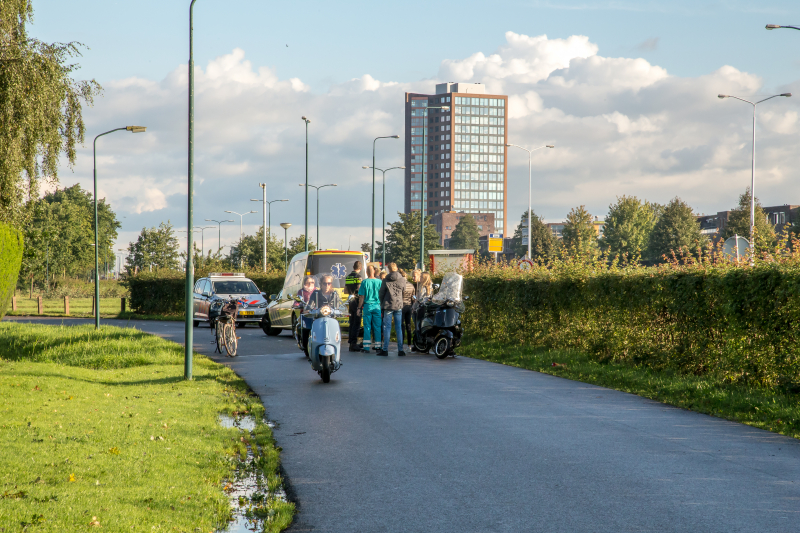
[11,246]
[162,292]
[738,323]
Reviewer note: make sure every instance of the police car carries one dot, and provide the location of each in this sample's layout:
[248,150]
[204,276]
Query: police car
[211,292]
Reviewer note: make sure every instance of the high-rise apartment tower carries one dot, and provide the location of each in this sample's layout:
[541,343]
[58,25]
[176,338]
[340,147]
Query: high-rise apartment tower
[464,162]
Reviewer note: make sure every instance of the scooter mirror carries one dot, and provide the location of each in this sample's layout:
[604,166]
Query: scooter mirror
[436,286]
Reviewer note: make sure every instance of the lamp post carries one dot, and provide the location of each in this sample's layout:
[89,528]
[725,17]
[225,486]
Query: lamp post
[383,217]
[777,26]
[530,212]
[132,129]
[306,234]
[318,187]
[241,217]
[219,231]
[286,226]
[189,301]
[753,163]
[267,219]
[424,165]
[119,269]
[372,254]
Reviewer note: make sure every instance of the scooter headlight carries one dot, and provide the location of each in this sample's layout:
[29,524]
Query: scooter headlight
[325,311]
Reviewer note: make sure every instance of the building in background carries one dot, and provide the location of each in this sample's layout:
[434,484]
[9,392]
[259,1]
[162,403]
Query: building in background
[446,222]
[464,161]
[778,216]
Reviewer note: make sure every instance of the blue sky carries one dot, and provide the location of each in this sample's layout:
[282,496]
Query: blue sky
[625,89]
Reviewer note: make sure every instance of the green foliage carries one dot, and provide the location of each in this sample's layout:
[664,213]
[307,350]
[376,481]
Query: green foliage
[155,248]
[40,109]
[701,316]
[162,292]
[628,226]
[465,235]
[739,223]
[677,230]
[11,249]
[543,243]
[402,240]
[250,249]
[579,236]
[60,236]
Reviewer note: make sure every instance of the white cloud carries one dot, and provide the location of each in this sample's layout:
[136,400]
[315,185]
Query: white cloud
[621,126]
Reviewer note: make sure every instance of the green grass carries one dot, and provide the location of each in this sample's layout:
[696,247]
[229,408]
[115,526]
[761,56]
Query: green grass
[101,427]
[770,409]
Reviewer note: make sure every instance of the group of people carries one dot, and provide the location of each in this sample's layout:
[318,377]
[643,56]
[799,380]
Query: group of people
[384,297]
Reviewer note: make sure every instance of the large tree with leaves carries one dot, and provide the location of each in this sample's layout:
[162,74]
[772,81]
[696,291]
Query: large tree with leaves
[402,240]
[543,242]
[739,223]
[249,250]
[628,226]
[465,235]
[40,109]
[155,247]
[579,235]
[677,230]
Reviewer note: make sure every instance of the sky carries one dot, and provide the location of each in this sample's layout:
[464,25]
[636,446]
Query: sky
[626,90]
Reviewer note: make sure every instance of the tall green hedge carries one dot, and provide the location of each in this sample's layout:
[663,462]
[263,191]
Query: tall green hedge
[738,322]
[11,245]
[162,292]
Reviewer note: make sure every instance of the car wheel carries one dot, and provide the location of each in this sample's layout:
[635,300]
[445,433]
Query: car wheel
[266,325]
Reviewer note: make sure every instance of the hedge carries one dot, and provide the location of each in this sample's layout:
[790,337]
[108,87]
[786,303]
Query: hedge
[162,292]
[738,322]
[11,246]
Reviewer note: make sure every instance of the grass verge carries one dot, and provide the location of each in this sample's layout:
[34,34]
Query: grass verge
[98,428]
[773,410]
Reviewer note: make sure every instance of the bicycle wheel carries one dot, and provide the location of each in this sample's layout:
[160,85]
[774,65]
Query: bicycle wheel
[231,343]
[218,335]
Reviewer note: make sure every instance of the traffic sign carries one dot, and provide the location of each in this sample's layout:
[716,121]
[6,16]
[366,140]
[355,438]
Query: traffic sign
[495,242]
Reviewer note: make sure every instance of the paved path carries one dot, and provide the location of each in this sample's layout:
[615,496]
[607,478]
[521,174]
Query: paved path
[460,445]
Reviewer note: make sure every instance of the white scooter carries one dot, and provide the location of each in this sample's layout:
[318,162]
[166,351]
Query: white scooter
[325,341]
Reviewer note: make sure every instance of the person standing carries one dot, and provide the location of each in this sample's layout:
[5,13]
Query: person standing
[391,295]
[352,284]
[408,301]
[424,291]
[369,307]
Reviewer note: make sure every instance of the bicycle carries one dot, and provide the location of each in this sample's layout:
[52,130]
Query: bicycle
[225,329]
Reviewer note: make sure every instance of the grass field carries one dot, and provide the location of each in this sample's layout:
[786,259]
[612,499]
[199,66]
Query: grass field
[98,430]
[773,410]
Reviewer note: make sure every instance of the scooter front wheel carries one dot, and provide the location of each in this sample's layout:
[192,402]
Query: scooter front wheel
[420,344]
[441,347]
[325,373]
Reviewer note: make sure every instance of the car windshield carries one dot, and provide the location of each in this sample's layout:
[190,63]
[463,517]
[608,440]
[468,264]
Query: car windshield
[450,289]
[337,265]
[235,287]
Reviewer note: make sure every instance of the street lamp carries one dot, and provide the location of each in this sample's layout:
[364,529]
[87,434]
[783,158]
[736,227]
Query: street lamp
[318,188]
[267,218]
[219,231]
[132,129]
[383,236]
[372,255]
[241,216]
[530,212]
[189,298]
[425,164]
[306,121]
[776,26]
[286,226]
[119,268]
[753,162]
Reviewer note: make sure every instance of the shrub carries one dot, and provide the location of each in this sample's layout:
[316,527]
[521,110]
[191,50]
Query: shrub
[11,246]
[163,291]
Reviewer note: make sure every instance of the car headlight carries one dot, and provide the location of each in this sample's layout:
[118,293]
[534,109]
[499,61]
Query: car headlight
[263,305]
[325,311]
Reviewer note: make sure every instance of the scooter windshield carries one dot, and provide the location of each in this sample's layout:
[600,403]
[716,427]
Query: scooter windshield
[450,289]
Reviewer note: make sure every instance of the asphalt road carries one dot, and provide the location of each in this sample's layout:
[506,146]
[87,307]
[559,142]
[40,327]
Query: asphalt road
[417,444]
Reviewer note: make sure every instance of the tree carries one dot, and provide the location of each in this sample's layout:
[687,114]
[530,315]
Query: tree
[739,223]
[543,243]
[676,230]
[465,235]
[60,234]
[579,235]
[402,240]
[155,247]
[249,250]
[40,109]
[628,226]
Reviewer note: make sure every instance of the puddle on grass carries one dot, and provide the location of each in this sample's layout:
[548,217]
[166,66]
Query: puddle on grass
[249,491]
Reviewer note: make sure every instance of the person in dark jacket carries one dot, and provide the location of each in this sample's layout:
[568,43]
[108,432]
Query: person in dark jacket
[391,295]
[351,285]
[408,301]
